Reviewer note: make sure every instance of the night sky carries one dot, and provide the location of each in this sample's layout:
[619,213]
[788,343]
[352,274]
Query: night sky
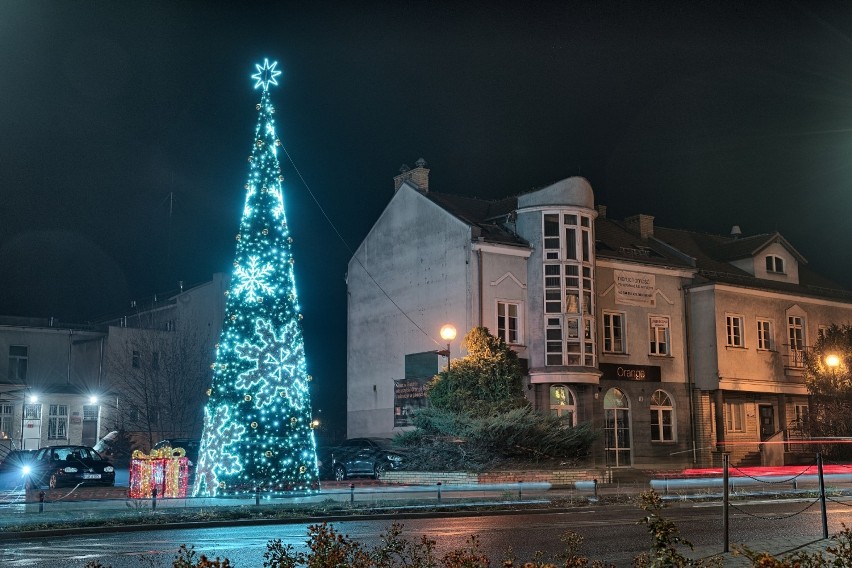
[705,115]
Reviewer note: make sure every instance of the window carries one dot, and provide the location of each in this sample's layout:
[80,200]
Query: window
[57,422]
[796,334]
[136,359]
[659,329]
[18,356]
[662,417]
[553,342]
[774,264]
[613,332]
[802,415]
[551,236]
[91,411]
[764,334]
[735,417]
[508,322]
[563,403]
[734,331]
[7,410]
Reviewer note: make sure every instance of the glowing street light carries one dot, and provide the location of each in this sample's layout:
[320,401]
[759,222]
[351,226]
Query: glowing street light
[448,333]
[832,361]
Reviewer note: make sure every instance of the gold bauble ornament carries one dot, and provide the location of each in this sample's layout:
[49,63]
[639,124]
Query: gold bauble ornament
[260,299]
[265,231]
[253,424]
[302,469]
[238,236]
[221,485]
[233,317]
[213,366]
[280,178]
[257,106]
[292,261]
[293,420]
[310,377]
[268,454]
[259,143]
[290,240]
[301,316]
[277,142]
[209,392]
[247,398]
[250,158]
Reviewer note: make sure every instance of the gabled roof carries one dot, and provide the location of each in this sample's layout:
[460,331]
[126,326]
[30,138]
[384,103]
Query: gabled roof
[713,253]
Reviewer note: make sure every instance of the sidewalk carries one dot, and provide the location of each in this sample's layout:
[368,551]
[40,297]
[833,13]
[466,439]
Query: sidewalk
[778,547]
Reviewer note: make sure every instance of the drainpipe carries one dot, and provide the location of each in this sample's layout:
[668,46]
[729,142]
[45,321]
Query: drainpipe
[70,338]
[689,379]
[481,286]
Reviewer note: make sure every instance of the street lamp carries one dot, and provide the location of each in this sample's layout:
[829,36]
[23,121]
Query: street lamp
[448,333]
[832,361]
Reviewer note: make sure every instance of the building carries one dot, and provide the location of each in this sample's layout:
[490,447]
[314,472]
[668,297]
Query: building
[52,388]
[159,356]
[145,372]
[672,343]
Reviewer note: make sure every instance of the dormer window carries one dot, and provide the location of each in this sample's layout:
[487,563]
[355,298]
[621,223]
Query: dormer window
[774,264]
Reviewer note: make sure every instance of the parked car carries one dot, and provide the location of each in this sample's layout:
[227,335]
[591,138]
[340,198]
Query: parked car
[68,466]
[364,456]
[190,445]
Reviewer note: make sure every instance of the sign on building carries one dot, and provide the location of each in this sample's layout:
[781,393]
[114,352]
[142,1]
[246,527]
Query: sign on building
[634,288]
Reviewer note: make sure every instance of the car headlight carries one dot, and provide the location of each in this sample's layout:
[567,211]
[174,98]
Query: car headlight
[109,469]
[26,470]
[70,470]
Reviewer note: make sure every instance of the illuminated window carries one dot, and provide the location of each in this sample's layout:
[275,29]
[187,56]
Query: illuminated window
[57,422]
[509,322]
[662,417]
[563,403]
[796,335]
[7,411]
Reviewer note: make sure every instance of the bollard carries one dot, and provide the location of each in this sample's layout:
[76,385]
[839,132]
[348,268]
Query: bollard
[595,487]
[822,495]
[41,501]
[154,498]
[257,495]
[520,484]
[351,492]
[725,500]
[439,491]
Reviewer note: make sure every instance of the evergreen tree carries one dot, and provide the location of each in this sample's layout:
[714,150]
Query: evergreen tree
[257,421]
[829,382]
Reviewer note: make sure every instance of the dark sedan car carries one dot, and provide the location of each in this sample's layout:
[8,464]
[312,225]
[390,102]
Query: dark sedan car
[364,456]
[68,466]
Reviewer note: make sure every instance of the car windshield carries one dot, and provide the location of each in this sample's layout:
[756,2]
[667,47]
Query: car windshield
[383,443]
[71,454]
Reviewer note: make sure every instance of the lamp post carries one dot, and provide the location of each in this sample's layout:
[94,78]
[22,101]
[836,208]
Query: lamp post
[832,361]
[448,333]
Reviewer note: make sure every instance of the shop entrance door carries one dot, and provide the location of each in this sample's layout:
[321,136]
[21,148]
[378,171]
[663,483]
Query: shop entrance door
[617,429]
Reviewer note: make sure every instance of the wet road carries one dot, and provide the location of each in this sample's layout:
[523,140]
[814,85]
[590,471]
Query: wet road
[611,533]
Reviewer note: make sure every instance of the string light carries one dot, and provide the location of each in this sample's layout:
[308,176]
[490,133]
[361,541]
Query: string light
[260,376]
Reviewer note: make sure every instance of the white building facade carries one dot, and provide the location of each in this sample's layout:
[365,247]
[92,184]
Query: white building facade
[675,346]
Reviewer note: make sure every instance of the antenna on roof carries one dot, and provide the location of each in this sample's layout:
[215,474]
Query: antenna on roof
[736,232]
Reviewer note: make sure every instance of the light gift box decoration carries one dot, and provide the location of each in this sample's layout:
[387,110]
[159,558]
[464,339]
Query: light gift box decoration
[165,469]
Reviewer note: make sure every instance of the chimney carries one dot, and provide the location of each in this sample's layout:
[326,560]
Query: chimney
[602,211]
[419,176]
[644,224]
[736,232]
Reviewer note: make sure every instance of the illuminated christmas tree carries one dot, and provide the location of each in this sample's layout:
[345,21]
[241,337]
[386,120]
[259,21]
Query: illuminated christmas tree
[257,422]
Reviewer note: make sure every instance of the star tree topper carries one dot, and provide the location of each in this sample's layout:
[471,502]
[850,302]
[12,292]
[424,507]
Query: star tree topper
[266,75]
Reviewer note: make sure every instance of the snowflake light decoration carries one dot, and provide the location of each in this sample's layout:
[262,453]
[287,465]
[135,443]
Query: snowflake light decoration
[254,280]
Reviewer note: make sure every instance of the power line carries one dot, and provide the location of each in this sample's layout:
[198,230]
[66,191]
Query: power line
[351,252]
